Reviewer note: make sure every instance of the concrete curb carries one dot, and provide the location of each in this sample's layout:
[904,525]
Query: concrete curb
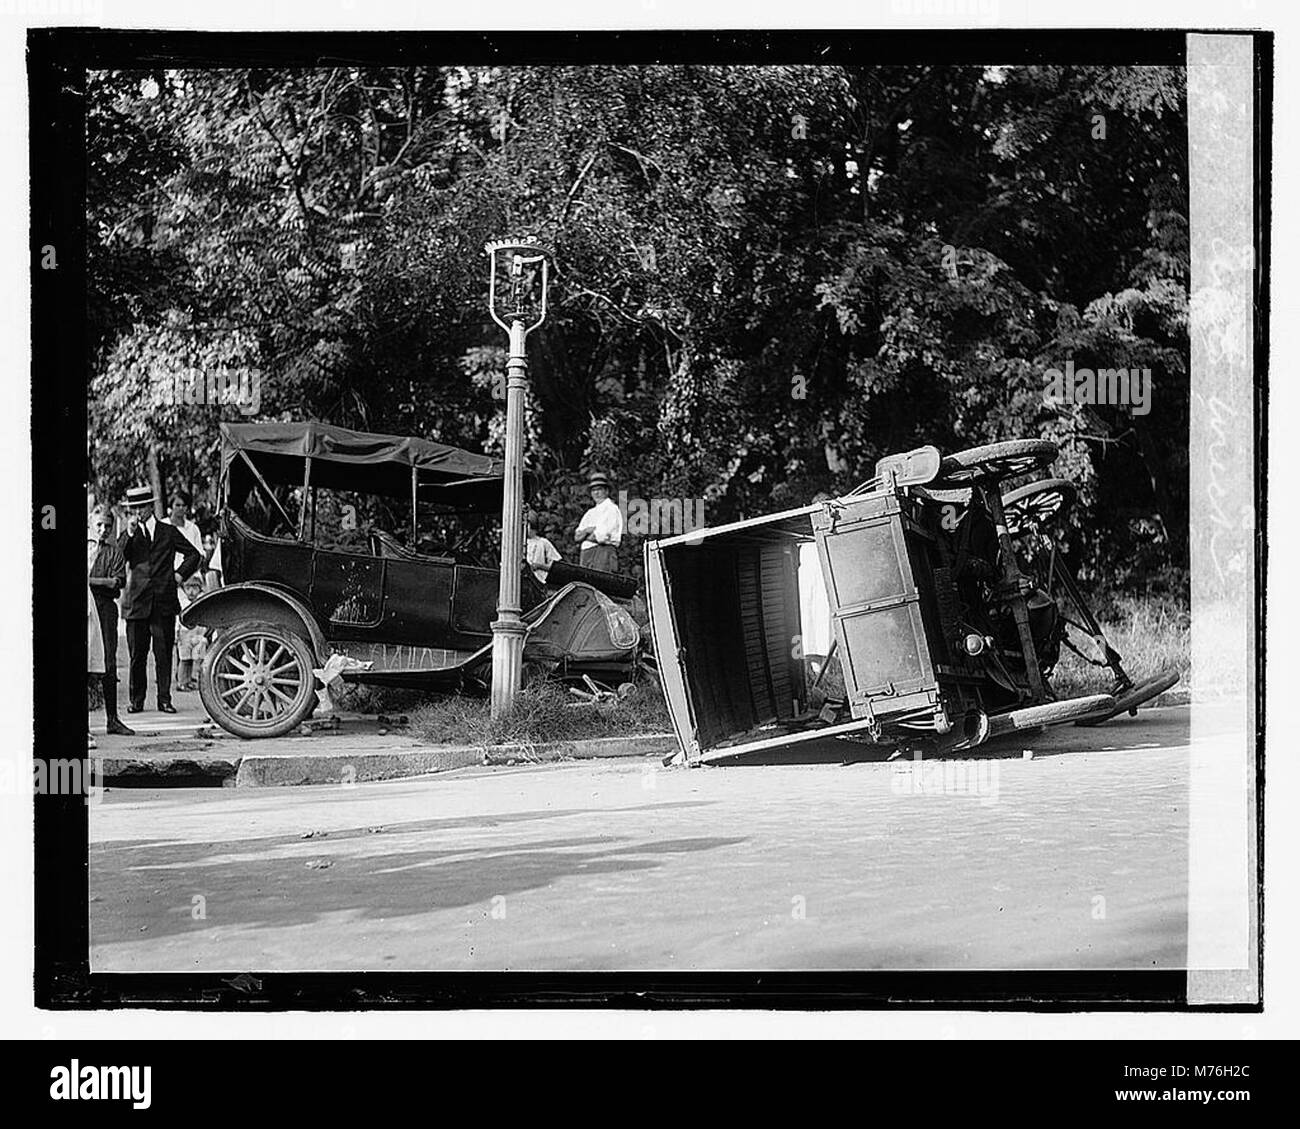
[231,767]
[176,772]
[272,771]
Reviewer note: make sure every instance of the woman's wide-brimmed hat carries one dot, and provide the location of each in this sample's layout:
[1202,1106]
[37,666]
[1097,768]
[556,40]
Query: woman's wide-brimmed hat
[138,496]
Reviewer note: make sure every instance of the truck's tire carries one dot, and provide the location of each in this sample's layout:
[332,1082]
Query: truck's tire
[1051,713]
[994,462]
[1039,503]
[257,680]
[1135,696]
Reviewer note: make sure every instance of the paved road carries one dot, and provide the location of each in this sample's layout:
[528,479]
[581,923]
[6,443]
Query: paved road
[1076,858]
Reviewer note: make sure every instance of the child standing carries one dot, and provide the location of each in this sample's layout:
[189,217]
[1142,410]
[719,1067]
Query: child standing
[191,642]
[539,553]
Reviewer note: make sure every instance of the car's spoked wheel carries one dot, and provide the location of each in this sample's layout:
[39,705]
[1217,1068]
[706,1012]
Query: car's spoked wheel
[994,462]
[257,680]
[1038,504]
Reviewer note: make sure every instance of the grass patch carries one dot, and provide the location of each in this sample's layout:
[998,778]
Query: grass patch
[1153,634]
[544,711]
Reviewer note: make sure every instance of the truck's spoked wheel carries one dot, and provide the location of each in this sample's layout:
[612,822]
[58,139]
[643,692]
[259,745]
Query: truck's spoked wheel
[1038,504]
[257,680]
[994,462]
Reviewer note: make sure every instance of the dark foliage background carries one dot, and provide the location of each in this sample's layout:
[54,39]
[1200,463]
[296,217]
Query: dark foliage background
[766,277]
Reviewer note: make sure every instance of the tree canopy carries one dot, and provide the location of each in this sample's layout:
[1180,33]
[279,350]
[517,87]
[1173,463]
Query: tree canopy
[766,276]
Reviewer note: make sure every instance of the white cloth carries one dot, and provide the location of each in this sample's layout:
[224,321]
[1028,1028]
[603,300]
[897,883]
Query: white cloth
[94,637]
[540,555]
[606,522]
[191,531]
[814,607]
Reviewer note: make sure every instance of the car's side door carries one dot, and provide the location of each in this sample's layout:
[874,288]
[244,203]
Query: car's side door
[474,600]
[347,593]
[417,602]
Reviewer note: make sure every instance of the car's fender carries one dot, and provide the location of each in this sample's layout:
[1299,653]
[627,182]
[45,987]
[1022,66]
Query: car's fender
[259,601]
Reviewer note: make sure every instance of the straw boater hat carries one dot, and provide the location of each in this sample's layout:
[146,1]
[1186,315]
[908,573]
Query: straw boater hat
[597,479]
[138,496]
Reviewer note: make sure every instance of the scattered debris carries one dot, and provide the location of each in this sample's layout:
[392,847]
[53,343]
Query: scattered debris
[330,677]
[313,835]
[320,864]
[595,692]
[244,982]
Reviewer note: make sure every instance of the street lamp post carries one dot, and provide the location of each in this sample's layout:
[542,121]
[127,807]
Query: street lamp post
[518,305]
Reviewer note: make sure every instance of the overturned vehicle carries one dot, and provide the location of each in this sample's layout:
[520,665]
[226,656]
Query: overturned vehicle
[325,594]
[925,610]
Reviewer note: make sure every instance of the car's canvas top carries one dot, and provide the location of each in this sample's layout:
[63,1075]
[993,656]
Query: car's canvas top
[363,461]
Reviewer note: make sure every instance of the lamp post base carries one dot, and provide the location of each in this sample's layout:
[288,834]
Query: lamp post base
[507,661]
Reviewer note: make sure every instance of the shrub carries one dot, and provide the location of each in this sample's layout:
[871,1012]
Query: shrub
[1151,634]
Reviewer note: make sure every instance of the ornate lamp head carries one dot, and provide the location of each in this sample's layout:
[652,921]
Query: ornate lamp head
[518,281]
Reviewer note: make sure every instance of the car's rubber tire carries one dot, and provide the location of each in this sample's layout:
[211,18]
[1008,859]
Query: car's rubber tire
[238,657]
[1043,502]
[994,462]
[1051,713]
[1135,696]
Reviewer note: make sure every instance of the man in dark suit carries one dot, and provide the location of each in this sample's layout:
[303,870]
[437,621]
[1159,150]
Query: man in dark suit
[149,601]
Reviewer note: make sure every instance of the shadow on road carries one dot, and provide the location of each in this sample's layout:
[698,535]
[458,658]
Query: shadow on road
[287,880]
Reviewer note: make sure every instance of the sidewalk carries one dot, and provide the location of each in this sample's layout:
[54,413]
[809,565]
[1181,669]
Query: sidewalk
[187,749]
